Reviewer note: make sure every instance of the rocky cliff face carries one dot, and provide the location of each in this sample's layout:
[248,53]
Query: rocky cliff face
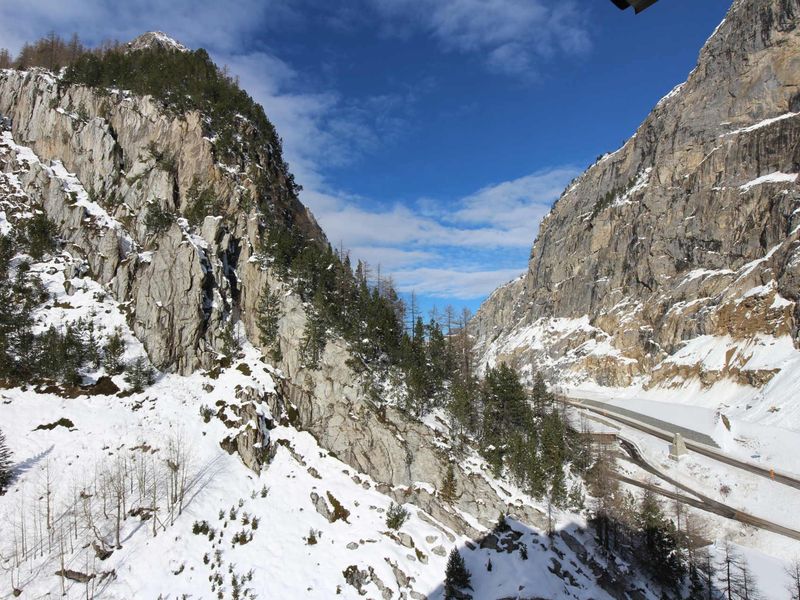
[677,257]
[181,286]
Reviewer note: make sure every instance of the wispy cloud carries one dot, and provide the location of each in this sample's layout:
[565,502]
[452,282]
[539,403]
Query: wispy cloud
[511,35]
[453,283]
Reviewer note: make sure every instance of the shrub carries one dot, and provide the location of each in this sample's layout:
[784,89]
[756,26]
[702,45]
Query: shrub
[202,202]
[339,511]
[163,160]
[396,516]
[157,220]
[200,528]
[40,234]
[112,355]
[207,412]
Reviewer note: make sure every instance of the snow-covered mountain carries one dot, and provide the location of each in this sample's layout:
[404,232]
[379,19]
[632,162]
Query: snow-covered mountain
[222,464]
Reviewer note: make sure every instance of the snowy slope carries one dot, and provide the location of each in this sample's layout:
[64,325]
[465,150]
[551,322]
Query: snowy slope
[136,495]
[103,431]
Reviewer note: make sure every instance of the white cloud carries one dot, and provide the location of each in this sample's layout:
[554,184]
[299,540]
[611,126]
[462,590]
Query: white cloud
[505,215]
[453,283]
[523,200]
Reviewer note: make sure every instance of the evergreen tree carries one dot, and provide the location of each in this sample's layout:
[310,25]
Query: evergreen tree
[505,410]
[604,486]
[6,466]
[396,516]
[697,590]
[659,542]
[576,499]
[267,319]
[553,437]
[419,381]
[457,577]
[40,233]
[502,524]
[517,456]
[140,375]
[437,357]
[461,407]
[93,356]
[60,356]
[112,355]
[448,491]
[541,397]
[558,488]
[315,337]
[18,298]
[535,473]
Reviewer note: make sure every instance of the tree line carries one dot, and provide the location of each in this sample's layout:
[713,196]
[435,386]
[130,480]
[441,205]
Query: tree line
[50,52]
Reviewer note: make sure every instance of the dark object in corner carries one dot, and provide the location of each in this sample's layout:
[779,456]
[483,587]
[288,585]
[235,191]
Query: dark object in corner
[638,5]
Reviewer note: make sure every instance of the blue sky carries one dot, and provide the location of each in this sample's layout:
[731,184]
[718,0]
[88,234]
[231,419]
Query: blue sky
[431,136]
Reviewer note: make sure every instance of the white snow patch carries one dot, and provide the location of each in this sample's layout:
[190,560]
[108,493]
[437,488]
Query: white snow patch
[760,124]
[776,177]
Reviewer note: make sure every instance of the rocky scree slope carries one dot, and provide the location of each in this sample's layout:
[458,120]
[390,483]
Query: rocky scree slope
[676,258]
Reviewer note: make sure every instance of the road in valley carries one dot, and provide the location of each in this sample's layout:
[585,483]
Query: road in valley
[695,441]
[696,499]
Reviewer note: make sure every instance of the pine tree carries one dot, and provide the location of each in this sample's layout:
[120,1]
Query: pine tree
[140,375]
[457,577]
[697,590]
[448,491]
[40,233]
[6,466]
[505,410]
[462,407]
[558,488]
[517,453]
[315,337]
[534,472]
[553,436]
[115,348]
[502,524]
[396,515]
[267,319]
[542,399]
[576,500]
[659,542]
[604,486]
